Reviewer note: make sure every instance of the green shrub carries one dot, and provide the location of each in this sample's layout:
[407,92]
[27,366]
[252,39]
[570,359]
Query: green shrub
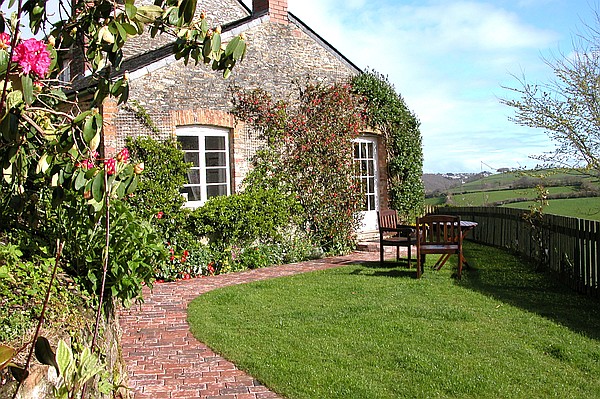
[23,285]
[157,197]
[135,250]
[241,219]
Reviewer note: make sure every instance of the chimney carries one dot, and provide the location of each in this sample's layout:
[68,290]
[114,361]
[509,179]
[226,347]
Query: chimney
[277,10]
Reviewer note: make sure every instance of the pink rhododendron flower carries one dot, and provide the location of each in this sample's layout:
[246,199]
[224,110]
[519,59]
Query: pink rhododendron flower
[87,164]
[111,166]
[123,155]
[4,40]
[159,215]
[33,56]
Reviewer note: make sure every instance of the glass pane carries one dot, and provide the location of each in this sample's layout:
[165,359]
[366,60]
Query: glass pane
[215,159]
[371,171]
[188,142]
[363,150]
[216,190]
[356,150]
[371,205]
[192,157]
[194,176]
[191,193]
[363,167]
[363,185]
[371,185]
[216,175]
[214,143]
[370,151]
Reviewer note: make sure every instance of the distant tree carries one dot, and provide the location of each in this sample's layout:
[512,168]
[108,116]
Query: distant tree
[568,106]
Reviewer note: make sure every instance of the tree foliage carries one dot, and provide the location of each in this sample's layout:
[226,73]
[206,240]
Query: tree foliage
[54,184]
[566,107]
[388,113]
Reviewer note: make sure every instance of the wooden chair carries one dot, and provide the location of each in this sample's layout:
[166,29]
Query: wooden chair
[438,234]
[392,234]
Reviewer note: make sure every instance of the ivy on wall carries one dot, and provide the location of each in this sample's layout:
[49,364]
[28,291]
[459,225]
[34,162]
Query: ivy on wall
[388,113]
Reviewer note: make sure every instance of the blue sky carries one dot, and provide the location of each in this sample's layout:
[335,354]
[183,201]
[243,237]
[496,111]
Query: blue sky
[449,61]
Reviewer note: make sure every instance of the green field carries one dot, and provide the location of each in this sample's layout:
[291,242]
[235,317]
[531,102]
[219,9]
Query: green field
[506,187]
[489,197]
[510,180]
[584,208]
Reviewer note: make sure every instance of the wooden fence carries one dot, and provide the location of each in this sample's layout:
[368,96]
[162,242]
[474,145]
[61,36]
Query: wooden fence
[570,245]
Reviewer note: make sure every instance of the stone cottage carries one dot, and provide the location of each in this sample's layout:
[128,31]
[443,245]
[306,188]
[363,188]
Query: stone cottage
[192,103]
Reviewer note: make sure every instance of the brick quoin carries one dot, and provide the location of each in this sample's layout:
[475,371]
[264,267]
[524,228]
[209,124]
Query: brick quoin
[108,144]
[276,9]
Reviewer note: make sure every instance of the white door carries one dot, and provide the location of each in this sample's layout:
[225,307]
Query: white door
[365,162]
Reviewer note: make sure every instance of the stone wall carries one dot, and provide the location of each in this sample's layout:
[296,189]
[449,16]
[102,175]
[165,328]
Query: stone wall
[279,56]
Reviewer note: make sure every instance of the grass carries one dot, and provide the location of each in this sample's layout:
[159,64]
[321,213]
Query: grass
[361,331]
[486,197]
[584,208]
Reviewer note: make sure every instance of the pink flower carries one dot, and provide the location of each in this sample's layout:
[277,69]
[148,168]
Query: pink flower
[123,155]
[33,56]
[111,166]
[159,215]
[4,40]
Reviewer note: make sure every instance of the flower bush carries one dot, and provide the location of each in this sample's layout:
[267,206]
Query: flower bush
[32,55]
[309,154]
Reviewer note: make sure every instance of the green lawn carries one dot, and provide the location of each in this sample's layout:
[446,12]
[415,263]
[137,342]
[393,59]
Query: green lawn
[361,331]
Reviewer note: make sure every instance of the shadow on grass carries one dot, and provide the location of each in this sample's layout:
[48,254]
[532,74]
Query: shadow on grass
[512,280]
[388,269]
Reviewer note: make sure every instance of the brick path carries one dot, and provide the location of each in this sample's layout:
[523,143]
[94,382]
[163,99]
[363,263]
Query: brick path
[164,360]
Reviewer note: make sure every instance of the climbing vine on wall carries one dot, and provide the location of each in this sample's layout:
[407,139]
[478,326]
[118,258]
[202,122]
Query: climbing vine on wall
[388,113]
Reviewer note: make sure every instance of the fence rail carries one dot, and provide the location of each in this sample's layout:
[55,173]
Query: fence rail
[570,249]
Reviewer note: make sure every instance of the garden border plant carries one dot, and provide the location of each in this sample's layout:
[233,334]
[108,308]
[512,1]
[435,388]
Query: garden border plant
[48,143]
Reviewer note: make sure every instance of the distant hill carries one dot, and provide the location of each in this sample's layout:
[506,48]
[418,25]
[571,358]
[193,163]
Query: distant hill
[570,192]
[441,182]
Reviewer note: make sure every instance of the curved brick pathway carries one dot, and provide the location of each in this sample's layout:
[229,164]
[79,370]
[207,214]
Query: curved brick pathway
[164,360]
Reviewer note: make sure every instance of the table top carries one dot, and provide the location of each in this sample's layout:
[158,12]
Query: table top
[467,224]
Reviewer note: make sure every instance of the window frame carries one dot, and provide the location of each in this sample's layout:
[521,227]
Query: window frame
[201,132]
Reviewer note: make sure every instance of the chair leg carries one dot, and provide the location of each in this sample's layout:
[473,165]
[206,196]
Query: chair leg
[409,256]
[397,253]
[380,254]
[459,265]
[419,265]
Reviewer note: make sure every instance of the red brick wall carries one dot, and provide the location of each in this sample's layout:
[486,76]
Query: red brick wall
[108,144]
[276,9]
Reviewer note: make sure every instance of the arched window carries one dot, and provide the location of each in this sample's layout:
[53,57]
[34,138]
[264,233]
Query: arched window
[207,149]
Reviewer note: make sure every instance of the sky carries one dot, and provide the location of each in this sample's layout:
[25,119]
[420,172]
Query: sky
[450,60]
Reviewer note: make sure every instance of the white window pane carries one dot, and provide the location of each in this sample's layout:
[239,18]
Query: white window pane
[192,193]
[216,175]
[193,158]
[216,159]
[216,190]
[215,143]
[194,176]
[188,142]
[371,171]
